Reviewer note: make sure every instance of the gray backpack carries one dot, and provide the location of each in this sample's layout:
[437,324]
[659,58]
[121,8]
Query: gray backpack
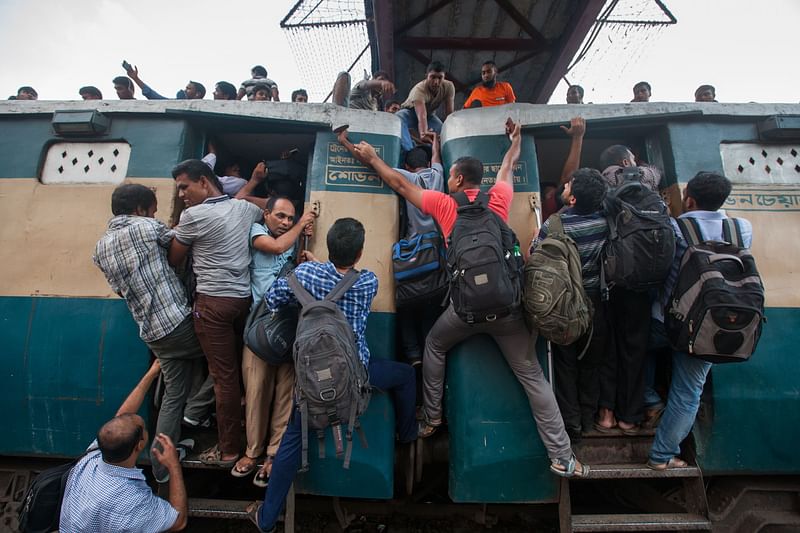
[332,387]
[555,302]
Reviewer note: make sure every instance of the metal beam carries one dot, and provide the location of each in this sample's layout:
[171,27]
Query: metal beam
[468,43]
[520,59]
[422,16]
[383,12]
[425,60]
[520,19]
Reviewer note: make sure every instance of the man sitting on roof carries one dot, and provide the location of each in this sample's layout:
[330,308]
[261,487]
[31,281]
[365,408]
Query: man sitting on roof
[259,77]
[490,92]
[194,90]
[575,94]
[419,109]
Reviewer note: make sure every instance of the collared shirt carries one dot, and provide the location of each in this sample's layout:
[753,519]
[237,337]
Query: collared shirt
[590,233]
[430,179]
[218,230]
[710,229]
[444,208]
[133,256]
[264,266]
[100,497]
[319,279]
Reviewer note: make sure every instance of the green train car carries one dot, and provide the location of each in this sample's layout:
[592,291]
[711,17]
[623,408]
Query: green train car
[71,353]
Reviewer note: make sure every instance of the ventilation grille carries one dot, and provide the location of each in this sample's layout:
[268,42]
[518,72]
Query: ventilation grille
[762,164]
[71,162]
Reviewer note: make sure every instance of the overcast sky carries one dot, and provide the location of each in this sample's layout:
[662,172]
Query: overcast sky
[745,48]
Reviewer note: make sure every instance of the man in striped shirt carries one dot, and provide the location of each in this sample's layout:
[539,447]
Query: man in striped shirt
[577,382]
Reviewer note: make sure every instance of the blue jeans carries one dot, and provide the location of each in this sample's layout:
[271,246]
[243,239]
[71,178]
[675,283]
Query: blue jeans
[398,379]
[409,119]
[688,377]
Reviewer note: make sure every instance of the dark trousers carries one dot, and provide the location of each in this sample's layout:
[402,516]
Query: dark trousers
[622,377]
[577,381]
[219,322]
[414,324]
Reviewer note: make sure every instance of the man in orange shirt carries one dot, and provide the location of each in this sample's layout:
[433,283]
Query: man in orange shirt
[490,92]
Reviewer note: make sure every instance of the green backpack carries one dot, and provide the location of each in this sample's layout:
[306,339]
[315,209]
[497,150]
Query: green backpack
[555,302]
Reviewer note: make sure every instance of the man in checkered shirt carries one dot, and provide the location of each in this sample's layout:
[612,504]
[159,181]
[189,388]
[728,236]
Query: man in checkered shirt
[133,256]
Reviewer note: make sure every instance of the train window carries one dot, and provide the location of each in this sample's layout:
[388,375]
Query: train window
[86,162]
[761,164]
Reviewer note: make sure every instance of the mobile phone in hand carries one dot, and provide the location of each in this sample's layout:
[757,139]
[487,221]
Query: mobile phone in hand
[127,66]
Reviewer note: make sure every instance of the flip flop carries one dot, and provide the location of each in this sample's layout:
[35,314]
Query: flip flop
[675,462]
[261,478]
[213,457]
[253,510]
[251,467]
[568,468]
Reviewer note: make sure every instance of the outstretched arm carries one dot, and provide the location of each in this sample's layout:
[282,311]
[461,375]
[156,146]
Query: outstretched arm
[246,192]
[365,153]
[433,138]
[506,172]
[576,130]
[147,92]
[135,399]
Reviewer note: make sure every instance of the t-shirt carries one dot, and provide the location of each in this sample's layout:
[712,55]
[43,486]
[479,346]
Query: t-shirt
[264,267]
[432,101]
[650,178]
[419,223]
[218,230]
[500,94]
[248,85]
[443,207]
[590,233]
[361,97]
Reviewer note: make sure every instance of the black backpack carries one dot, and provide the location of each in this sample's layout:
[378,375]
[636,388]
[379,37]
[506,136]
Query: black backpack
[641,242]
[717,306]
[41,508]
[332,385]
[485,263]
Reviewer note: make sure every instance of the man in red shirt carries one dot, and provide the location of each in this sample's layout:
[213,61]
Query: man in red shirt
[490,92]
[510,332]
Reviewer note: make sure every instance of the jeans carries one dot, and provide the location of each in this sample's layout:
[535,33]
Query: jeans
[688,377]
[409,119]
[397,378]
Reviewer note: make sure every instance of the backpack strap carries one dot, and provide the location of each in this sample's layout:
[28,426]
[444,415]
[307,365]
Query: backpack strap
[347,281]
[556,226]
[304,434]
[300,292]
[690,229]
[480,199]
[732,232]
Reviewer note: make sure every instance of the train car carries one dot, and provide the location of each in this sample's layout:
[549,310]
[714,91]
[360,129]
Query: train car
[71,351]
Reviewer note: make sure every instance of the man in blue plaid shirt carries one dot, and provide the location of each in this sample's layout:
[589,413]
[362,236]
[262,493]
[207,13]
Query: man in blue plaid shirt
[345,245]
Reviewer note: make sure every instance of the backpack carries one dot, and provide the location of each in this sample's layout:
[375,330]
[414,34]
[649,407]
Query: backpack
[420,269]
[554,300]
[641,242]
[41,507]
[483,257]
[332,385]
[270,334]
[717,306]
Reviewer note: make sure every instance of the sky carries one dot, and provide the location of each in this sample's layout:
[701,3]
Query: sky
[743,48]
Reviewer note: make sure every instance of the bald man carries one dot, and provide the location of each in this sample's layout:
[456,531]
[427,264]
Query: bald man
[105,492]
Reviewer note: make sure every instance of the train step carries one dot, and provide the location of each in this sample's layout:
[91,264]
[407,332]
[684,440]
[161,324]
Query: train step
[216,508]
[637,471]
[640,522]
[614,449]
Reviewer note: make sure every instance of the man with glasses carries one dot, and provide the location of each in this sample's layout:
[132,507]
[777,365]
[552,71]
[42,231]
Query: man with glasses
[106,492]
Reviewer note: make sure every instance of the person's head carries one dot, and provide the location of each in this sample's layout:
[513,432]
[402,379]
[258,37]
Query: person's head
[123,85]
[300,96]
[27,93]
[195,182]
[707,191]
[224,91]
[195,90]
[279,215]
[585,191]
[90,92]
[465,173]
[258,72]
[489,73]
[261,93]
[134,199]
[705,93]
[434,76]
[381,75]
[642,92]
[345,242]
[618,155]
[391,106]
[122,438]
[416,158]
[232,168]
[575,94]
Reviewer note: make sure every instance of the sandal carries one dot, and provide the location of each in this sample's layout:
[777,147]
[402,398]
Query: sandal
[675,462]
[425,429]
[239,471]
[213,457]
[262,476]
[253,510]
[569,468]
